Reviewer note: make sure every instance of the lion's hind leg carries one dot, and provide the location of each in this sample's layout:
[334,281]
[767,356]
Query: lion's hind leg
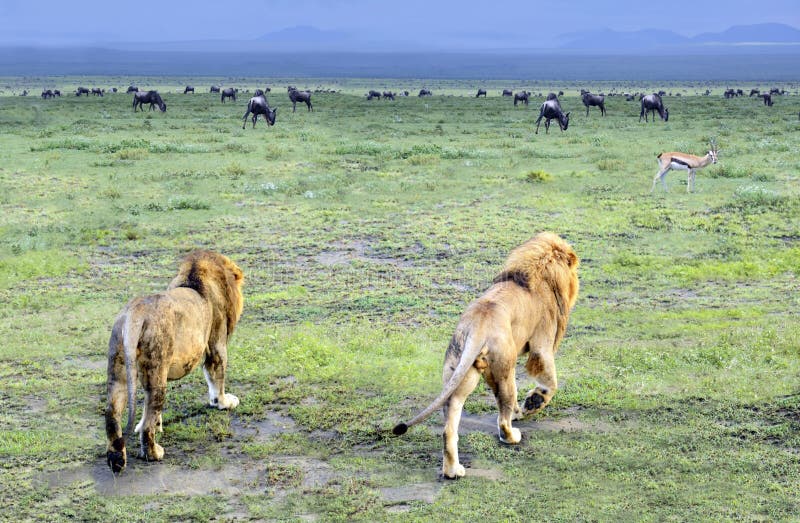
[451,468]
[541,366]
[155,396]
[116,454]
[214,370]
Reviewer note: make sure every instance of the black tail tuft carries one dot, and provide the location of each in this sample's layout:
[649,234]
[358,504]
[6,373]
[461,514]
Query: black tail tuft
[400,429]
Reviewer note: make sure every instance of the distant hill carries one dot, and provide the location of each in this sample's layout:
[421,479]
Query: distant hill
[756,33]
[649,39]
[305,35]
[610,39]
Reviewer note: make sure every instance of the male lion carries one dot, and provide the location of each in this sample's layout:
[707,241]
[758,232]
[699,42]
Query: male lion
[525,310]
[163,337]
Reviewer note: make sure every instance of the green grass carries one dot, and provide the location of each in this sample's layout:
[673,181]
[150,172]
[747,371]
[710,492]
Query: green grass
[364,229]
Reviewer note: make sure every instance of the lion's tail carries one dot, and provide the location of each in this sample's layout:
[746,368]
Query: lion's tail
[131,333]
[471,351]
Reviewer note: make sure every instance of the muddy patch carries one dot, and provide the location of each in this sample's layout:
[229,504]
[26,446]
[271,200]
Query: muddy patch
[141,478]
[343,253]
[487,423]
[398,498]
[274,424]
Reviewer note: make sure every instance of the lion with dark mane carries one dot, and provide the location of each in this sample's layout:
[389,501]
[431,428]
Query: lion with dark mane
[163,337]
[525,310]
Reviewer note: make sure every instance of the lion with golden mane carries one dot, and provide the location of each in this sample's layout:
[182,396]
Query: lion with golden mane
[525,310]
[163,337]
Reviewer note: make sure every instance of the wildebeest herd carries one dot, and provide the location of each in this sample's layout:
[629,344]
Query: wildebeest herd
[550,109]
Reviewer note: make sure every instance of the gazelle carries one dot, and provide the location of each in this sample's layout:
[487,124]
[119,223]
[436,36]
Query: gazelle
[685,162]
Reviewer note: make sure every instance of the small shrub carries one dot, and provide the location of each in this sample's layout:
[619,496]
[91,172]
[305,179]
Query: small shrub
[234,169]
[131,154]
[537,176]
[607,164]
[183,203]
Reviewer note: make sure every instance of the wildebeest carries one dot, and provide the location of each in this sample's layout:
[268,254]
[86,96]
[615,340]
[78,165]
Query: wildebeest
[258,105]
[653,103]
[481,92]
[553,96]
[47,94]
[113,89]
[424,92]
[388,95]
[56,92]
[96,91]
[230,92]
[150,97]
[373,94]
[550,110]
[767,99]
[754,92]
[507,92]
[214,89]
[300,96]
[132,89]
[777,91]
[81,90]
[597,100]
[189,89]
[521,96]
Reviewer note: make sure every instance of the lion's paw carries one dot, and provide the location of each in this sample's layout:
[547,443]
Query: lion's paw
[454,472]
[534,402]
[227,401]
[158,452]
[515,436]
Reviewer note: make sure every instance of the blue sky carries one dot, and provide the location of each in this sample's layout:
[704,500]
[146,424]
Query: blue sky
[512,23]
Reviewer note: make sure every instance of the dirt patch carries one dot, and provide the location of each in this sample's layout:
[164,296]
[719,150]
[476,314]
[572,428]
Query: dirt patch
[273,424]
[398,498]
[142,478]
[345,252]
[487,423]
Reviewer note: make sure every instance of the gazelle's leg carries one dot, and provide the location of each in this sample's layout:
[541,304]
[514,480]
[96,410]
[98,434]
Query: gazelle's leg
[660,175]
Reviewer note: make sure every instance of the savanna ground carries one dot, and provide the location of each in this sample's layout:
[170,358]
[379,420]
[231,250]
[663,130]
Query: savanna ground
[364,229]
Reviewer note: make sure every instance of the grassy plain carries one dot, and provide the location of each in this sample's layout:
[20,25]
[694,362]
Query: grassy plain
[364,228]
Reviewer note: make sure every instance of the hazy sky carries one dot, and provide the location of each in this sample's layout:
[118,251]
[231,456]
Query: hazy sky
[512,21]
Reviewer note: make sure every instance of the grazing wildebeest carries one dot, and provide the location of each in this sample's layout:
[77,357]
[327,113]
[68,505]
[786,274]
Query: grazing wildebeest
[424,92]
[47,94]
[521,96]
[150,97]
[230,92]
[653,103]
[189,89]
[739,92]
[258,105]
[96,91]
[388,95]
[481,92]
[56,92]
[754,92]
[767,99]
[113,89]
[777,91]
[507,92]
[214,89]
[81,90]
[132,89]
[729,93]
[373,94]
[300,96]
[549,110]
[598,100]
